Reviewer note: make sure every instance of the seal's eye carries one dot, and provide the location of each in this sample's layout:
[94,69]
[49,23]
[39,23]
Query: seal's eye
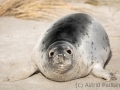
[69,51]
[51,54]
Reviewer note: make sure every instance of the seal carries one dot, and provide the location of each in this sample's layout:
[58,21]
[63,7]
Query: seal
[73,47]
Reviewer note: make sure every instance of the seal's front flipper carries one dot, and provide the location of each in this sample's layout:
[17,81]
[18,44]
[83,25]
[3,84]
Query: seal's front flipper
[102,73]
[23,73]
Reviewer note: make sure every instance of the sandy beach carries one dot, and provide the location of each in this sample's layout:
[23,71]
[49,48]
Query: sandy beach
[17,40]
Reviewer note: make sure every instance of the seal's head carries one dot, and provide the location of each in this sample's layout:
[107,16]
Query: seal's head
[60,57]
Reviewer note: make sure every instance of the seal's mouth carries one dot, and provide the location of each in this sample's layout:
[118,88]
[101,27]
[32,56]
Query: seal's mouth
[62,69]
[61,63]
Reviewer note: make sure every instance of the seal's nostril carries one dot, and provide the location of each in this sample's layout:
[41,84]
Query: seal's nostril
[60,58]
[60,55]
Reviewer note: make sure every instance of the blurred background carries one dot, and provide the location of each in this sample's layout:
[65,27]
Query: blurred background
[53,9]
